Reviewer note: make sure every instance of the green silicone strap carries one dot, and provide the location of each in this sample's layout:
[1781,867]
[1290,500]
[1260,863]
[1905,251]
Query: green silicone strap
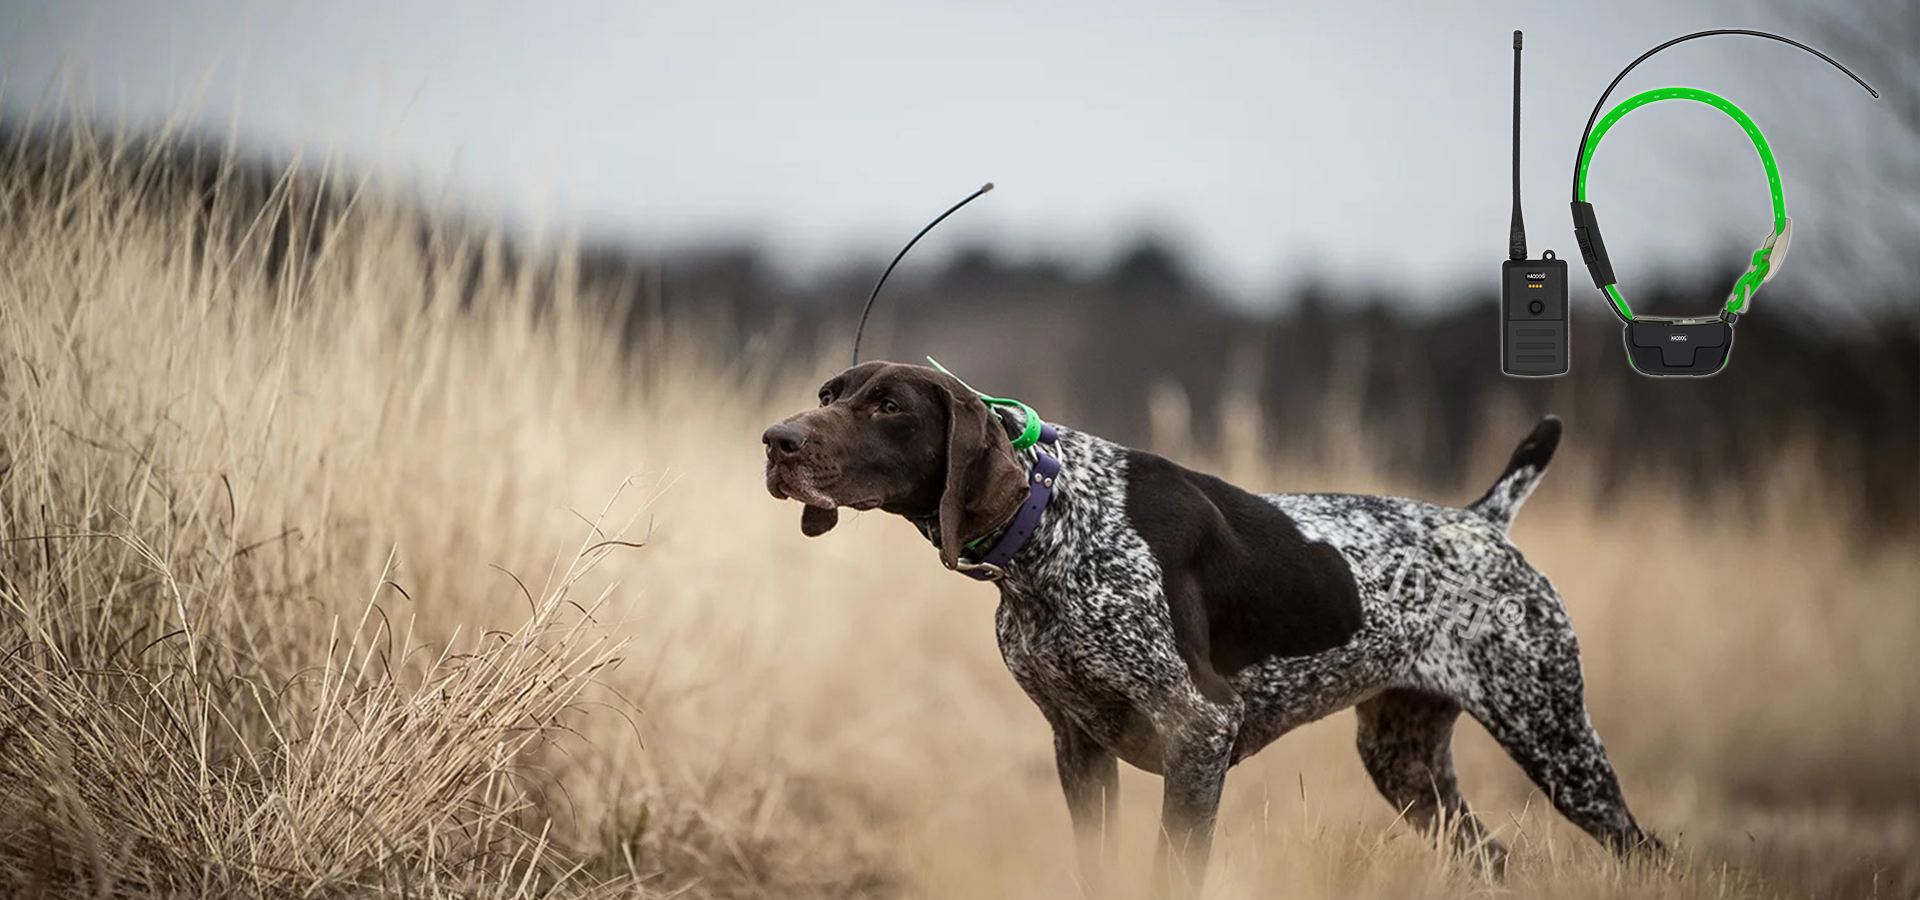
[1029,435]
[1750,281]
[1613,293]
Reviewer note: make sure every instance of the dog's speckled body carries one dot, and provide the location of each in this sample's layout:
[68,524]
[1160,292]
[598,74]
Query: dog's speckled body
[1450,618]
[1084,627]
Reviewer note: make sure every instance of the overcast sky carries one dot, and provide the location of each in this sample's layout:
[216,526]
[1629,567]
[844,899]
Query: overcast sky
[1366,139]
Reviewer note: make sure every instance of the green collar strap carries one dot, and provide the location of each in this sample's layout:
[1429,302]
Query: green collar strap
[1029,436]
[1766,261]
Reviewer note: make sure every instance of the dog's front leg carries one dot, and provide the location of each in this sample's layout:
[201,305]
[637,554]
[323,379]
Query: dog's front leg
[1195,761]
[1090,776]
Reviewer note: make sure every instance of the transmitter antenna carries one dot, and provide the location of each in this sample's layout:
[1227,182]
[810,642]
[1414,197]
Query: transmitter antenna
[1517,235]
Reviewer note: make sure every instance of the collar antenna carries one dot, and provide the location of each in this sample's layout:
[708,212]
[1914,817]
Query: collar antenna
[862,328]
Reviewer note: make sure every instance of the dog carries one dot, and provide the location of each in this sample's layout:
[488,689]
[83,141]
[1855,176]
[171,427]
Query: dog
[1164,617]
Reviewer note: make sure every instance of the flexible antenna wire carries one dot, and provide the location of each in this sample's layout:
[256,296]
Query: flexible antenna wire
[1517,237]
[862,328]
[1580,156]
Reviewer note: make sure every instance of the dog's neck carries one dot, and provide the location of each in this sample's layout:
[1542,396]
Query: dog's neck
[1012,423]
[1088,501]
[1039,465]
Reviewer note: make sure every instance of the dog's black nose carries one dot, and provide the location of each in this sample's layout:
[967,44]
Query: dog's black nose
[783,440]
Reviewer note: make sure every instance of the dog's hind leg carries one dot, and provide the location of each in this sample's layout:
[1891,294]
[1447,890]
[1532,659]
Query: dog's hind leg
[1406,742]
[1529,698]
[1090,776]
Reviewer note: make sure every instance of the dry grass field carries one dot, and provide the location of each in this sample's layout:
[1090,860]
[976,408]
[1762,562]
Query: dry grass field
[334,585]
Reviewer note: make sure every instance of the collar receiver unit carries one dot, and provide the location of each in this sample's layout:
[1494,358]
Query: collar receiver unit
[1658,346]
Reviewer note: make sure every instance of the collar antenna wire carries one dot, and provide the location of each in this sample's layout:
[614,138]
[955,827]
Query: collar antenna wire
[862,328]
[1579,158]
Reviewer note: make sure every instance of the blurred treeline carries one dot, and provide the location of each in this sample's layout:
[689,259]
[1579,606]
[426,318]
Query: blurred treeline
[1423,386]
[1419,389]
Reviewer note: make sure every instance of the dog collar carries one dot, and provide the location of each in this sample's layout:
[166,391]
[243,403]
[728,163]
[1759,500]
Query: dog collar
[1765,262]
[1030,420]
[1040,478]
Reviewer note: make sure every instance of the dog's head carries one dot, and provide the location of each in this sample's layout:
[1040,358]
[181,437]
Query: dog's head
[905,439]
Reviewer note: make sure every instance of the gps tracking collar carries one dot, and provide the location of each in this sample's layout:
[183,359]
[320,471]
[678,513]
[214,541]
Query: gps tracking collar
[1697,346]
[1666,346]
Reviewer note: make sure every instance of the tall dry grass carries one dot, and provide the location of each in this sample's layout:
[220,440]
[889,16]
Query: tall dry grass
[394,575]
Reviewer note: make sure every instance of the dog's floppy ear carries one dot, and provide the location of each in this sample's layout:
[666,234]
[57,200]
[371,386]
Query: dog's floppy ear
[985,483]
[815,521]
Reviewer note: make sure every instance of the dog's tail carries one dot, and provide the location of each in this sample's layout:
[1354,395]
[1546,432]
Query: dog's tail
[1523,473]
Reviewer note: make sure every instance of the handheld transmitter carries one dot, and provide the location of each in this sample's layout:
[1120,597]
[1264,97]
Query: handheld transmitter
[1533,292]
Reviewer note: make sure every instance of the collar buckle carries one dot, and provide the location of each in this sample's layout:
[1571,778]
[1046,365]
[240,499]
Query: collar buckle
[980,571]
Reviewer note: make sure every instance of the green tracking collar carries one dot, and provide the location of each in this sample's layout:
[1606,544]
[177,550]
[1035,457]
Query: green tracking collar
[1766,260]
[1664,346]
[1029,435]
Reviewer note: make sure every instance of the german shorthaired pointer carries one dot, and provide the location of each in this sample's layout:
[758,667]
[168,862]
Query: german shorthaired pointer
[1165,617]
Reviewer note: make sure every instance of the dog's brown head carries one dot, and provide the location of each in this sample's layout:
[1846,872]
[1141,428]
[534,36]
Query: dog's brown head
[906,439]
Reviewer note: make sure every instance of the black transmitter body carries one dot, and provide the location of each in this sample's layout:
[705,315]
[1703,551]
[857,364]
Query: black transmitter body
[1533,316]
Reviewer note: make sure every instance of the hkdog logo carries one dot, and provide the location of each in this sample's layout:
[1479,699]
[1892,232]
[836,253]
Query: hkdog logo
[1677,337]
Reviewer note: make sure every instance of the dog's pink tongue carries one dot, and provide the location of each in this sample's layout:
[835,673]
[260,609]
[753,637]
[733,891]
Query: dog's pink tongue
[816,521]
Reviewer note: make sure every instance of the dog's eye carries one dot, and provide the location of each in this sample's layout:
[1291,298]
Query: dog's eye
[826,396]
[888,406]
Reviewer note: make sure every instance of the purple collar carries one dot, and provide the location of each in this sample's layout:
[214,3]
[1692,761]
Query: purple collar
[993,566]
